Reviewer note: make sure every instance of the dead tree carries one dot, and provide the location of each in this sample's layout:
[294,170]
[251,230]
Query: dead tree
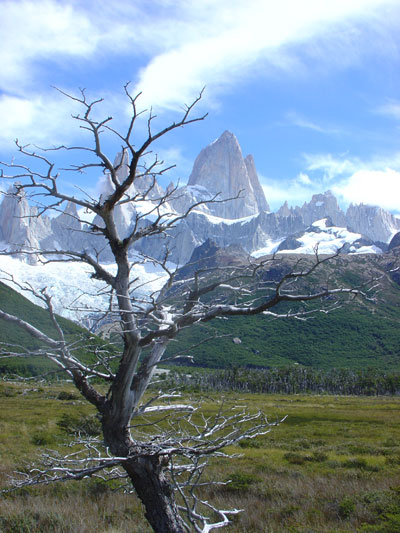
[163,466]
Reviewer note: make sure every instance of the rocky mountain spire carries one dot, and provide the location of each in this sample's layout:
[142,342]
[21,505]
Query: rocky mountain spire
[322,206]
[373,221]
[20,225]
[255,183]
[221,168]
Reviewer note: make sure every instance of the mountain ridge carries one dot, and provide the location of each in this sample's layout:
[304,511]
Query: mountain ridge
[221,171]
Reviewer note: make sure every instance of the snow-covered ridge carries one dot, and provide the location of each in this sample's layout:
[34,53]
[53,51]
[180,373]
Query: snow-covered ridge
[74,293]
[323,237]
[228,221]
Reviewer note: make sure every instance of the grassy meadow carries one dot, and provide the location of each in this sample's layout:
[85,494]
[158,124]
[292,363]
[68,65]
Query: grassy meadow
[332,466]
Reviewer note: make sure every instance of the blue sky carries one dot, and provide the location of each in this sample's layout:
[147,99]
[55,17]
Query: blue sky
[310,88]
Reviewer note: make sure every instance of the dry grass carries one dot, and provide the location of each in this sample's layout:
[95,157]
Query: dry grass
[333,466]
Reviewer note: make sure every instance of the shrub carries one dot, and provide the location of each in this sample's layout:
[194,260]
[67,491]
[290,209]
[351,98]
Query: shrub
[33,522]
[86,424]
[355,462]
[295,458]
[241,481]
[42,438]
[389,524]
[67,396]
[251,443]
[346,508]
[319,457]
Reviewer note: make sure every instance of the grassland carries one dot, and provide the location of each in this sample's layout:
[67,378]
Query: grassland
[332,466]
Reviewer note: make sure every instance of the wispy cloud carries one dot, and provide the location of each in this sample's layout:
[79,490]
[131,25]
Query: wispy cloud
[295,191]
[36,32]
[296,119]
[240,38]
[374,181]
[331,166]
[341,165]
[391,109]
[178,46]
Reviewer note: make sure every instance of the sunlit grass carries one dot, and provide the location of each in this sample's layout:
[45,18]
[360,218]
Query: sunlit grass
[332,466]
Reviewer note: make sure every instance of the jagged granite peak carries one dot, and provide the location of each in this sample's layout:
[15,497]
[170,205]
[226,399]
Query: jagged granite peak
[255,183]
[285,210]
[21,226]
[121,164]
[65,230]
[142,183]
[221,169]
[322,206]
[373,221]
[14,215]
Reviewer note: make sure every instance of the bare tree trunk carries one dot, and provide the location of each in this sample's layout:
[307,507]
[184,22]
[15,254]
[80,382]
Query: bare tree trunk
[145,471]
[146,475]
[156,494]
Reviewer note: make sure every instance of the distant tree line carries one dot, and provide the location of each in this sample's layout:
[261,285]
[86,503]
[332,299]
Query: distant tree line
[289,380]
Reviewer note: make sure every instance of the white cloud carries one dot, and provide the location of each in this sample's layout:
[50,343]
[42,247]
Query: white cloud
[391,109]
[27,116]
[342,166]
[295,192]
[331,166]
[33,32]
[375,181]
[36,120]
[373,187]
[240,38]
[184,45]
[303,179]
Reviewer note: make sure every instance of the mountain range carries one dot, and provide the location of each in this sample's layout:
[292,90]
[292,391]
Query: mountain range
[235,212]
[243,223]
[220,233]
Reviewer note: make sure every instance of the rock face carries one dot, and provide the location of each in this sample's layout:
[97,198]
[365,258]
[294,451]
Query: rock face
[20,225]
[244,223]
[322,206]
[64,231]
[372,221]
[255,184]
[221,169]
[395,242]
[209,256]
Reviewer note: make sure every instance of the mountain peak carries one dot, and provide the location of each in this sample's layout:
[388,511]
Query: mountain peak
[227,134]
[222,170]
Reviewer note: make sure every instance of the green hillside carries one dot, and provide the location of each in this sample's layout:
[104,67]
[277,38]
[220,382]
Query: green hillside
[349,337]
[16,304]
[360,334]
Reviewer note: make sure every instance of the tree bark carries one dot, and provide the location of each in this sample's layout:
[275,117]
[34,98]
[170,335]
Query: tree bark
[156,494]
[146,473]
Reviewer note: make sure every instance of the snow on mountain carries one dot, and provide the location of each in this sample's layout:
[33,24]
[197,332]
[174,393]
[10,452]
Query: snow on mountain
[321,236]
[270,248]
[327,239]
[74,293]
[245,221]
[229,221]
